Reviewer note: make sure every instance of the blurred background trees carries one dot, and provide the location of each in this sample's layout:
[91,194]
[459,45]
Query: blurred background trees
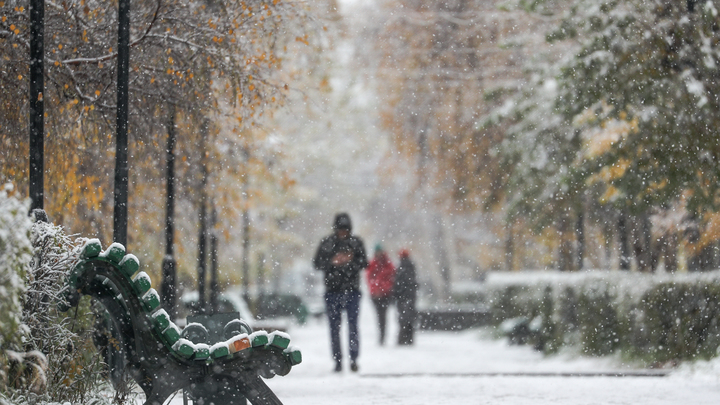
[210,70]
[481,134]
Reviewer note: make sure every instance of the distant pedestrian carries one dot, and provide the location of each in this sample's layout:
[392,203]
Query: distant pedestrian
[341,256]
[380,277]
[405,292]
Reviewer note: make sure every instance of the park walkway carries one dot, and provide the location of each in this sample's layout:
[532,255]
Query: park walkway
[450,368]
[447,368]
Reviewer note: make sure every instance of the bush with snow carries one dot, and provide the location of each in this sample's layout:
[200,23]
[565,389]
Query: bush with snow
[15,256]
[652,318]
[47,356]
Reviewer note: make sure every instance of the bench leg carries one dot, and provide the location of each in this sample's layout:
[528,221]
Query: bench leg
[256,391]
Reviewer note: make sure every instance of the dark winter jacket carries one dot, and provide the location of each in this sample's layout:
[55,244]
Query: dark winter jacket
[405,280]
[345,277]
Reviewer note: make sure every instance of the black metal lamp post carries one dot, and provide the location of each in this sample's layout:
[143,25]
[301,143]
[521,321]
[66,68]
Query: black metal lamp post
[246,229]
[167,290]
[203,236]
[214,287]
[121,153]
[37,109]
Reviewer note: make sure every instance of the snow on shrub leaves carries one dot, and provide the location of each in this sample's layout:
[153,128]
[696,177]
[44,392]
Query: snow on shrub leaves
[15,255]
[46,357]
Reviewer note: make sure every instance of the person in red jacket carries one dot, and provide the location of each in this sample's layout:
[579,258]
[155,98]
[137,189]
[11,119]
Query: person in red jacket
[381,277]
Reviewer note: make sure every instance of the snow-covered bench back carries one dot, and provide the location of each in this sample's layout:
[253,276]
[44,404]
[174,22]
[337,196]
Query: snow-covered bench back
[158,356]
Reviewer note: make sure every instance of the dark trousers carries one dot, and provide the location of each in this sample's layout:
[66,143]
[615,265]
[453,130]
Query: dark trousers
[406,318]
[381,306]
[335,304]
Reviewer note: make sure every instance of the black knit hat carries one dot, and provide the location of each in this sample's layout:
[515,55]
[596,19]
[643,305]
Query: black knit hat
[342,221]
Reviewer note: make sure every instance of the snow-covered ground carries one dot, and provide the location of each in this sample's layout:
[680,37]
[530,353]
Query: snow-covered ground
[470,368]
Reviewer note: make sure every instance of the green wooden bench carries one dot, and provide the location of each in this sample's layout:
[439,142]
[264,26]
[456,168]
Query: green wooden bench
[158,355]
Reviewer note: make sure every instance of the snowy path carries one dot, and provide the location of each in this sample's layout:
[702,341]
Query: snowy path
[465,368]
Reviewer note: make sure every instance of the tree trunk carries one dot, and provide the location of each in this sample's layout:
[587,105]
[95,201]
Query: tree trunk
[442,255]
[214,287]
[277,273]
[608,230]
[245,267]
[509,248]
[565,260]
[202,236]
[168,286]
[580,229]
[37,105]
[120,219]
[644,243]
[670,246]
[623,241]
[261,276]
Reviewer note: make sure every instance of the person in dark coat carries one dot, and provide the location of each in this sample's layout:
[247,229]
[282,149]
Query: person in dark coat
[380,277]
[405,292]
[341,256]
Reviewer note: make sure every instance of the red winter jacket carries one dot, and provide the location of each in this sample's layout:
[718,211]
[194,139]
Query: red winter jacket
[381,276]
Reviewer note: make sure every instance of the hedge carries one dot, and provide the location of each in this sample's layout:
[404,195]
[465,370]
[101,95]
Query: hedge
[653,318]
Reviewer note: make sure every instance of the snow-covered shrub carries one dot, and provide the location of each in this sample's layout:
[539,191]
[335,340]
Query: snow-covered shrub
[654,318]
[549,334]
[75,368]
[45,356]
[15,255]
[683,320]
[598,320]
[514,300]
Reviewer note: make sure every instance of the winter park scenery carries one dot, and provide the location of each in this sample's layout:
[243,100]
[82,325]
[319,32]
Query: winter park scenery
[532,191]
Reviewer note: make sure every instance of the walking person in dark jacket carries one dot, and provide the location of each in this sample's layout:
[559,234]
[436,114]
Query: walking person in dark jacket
[405,291]
[341,256]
